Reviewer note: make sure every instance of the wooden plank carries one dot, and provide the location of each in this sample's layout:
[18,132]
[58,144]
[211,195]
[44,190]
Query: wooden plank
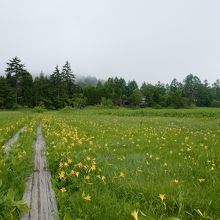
[13,140]
[39,193]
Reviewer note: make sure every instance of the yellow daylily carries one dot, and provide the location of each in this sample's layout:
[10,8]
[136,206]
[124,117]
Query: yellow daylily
[63,189]
[86,197]
[135,214]
[162,197]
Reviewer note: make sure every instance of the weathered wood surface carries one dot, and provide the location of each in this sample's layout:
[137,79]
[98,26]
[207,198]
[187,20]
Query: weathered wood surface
[39,194]
[12,141]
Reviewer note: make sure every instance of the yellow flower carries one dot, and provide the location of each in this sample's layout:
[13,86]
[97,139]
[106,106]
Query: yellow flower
[79,164]
[162,197]
[135,214]
[72,172]
[87,177]
[175,181]
[88,158]
[63,189]
[69,161]
[93,167]
[61,165]
[165,165]
[138,171]
[77,174]
[19,156]
[103,178]
[86,197]
[201,180]
[62,175]
[122,175]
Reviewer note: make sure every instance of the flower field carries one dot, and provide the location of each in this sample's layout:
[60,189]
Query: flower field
[118,163]
[9,123]
[16,168]
[106,166]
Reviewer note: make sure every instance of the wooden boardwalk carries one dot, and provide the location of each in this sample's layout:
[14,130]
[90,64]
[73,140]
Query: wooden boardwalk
[39,194]
[12,141]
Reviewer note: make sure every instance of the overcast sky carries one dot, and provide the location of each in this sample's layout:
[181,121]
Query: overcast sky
[145,40]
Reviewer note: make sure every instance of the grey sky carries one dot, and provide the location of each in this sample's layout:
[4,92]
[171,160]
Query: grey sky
[145,40]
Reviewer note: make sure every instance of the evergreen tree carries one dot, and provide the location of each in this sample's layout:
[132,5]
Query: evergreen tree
[204,96]
[7,95]
[69,79]
[57,83]
[20,80]
[91,95]
[216,90]
[101,92]
[60,89]
[43,93]
[13,74]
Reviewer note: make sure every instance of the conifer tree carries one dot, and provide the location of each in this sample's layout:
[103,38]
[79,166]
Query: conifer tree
[68,78]
[7,96]
[20,80]
[57,82]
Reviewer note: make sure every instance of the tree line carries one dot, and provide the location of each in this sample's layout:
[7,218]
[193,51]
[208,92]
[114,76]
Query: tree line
[18,88]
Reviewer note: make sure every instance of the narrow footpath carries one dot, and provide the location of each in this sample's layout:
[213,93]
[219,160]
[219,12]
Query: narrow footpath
[39,194]
[12,141]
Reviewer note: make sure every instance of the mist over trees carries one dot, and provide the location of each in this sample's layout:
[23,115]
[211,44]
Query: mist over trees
[18,88]
[83,81]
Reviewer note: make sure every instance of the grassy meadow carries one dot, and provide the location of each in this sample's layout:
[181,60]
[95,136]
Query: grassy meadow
[119,163]
[135,164]
[17,167]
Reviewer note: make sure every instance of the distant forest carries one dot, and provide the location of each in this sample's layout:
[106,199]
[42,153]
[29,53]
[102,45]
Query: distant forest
[18,88]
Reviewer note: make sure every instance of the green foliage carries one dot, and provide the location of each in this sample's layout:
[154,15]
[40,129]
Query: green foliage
[7,95]
[10,208]
[160,163]
[60,89]
[91,94]
[106,102]
[17,167]
[69,79]
[21,81]
[40,108]
[149,163]
[215,104]
[79,102]
[157,106]
[135,98]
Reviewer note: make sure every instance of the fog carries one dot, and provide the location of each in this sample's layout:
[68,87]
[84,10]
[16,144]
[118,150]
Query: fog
[144,40]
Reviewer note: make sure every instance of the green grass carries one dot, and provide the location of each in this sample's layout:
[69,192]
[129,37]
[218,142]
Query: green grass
[191,112]
[118,163]
[15,169]
[10,122]
[125,163]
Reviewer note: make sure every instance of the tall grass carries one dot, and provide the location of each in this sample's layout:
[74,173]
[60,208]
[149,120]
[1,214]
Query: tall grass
[109,167]
[16,168]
